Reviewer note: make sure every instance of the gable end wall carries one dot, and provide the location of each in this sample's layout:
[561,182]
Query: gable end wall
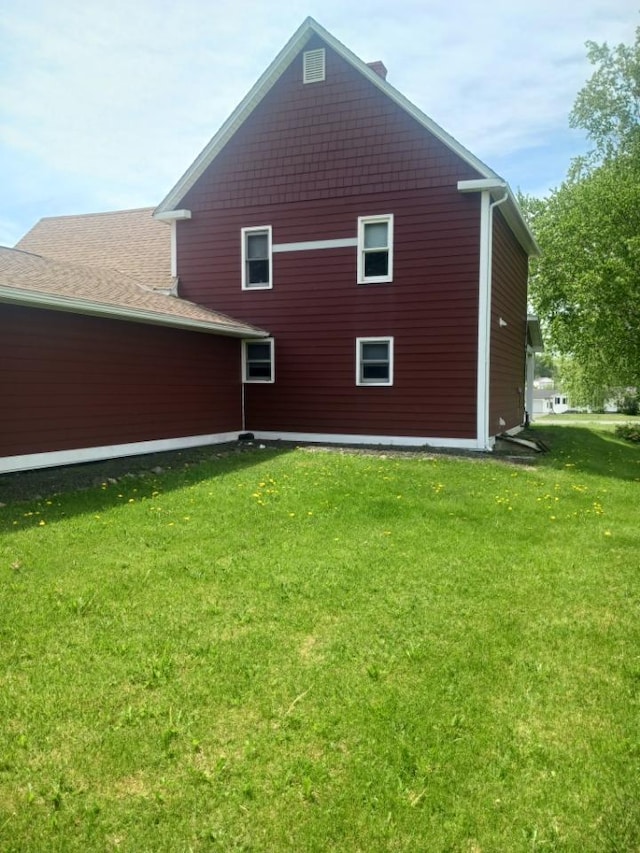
[308,161]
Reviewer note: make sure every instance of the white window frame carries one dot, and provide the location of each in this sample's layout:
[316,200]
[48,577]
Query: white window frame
[245,360]
[369,383]
[245,234]
[363,221]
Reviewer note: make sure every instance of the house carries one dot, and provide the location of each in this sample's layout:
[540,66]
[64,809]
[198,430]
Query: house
[340,269]
[550,401]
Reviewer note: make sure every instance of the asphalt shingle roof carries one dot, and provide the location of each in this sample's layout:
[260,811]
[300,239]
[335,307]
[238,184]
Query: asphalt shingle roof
[31,278]
[130,241]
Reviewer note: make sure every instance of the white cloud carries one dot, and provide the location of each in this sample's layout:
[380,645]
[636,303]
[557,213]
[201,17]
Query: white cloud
[113,101]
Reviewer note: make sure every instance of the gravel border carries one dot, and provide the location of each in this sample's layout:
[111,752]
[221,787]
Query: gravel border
[23,486]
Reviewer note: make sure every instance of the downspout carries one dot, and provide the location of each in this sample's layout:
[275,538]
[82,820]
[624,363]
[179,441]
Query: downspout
[484,313]
[529,384]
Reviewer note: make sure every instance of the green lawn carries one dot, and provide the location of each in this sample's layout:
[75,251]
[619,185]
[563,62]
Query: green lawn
[313,651]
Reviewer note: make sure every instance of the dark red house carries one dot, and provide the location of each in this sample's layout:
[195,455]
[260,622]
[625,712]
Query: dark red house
[375,269]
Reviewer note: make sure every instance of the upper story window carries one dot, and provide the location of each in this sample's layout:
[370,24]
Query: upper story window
[257,361]
[313,66]
[257,266]
[375,249]
[374,361]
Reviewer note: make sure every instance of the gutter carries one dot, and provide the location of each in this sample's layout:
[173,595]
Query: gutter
[75,305]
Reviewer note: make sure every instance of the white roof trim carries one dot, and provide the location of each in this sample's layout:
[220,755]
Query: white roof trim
[481,185]
[172,215]
[534,333]
[76,305]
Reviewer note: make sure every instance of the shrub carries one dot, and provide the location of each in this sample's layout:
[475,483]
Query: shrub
[631,432]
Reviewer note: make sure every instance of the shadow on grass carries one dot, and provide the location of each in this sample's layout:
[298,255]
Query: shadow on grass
[97,486]
[588,449]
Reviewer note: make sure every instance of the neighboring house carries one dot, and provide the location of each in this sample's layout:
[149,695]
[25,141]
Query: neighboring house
[550,401]
[375,271]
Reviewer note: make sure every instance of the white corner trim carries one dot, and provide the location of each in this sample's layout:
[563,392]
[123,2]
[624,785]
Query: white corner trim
[55,458]
[424,442]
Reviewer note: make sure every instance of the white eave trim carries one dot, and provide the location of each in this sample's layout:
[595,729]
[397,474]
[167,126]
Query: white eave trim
[534,333]
[272,74]
[511,209]
[74,305]
[478,185]
[172,215]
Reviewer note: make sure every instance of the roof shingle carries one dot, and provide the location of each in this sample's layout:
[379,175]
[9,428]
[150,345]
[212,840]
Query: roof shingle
[27,278]
[130,241]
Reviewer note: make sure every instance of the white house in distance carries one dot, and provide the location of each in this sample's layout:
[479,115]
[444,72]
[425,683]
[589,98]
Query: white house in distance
[548,400]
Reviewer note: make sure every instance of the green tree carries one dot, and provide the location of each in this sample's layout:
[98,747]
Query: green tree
[608,106]
[586,284]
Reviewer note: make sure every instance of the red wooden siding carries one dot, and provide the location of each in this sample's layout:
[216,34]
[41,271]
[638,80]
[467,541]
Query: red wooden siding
[508,351]
[69,381]
[308,162]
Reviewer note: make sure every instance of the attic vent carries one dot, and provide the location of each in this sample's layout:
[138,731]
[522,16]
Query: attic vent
[313,66]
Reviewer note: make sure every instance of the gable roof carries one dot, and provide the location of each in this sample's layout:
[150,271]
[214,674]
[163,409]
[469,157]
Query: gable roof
[32,280]
[129,241]
[269,78]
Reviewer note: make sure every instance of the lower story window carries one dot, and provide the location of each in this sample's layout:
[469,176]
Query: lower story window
[374,361]
[257,361]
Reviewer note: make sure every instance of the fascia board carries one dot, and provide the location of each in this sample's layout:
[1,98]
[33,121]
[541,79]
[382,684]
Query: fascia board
[534,333]
[268,80]
[74,305]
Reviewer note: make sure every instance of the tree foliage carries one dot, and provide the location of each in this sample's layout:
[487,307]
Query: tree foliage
[608,107]
[586,284]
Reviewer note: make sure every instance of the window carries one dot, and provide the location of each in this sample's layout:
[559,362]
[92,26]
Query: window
[256,258]
[257,361]
[375,249]
[313,66]
[374,361]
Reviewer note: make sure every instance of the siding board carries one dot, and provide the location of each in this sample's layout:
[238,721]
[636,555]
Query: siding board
[87,381]
[508,343]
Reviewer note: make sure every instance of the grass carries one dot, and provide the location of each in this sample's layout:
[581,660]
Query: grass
[314,651]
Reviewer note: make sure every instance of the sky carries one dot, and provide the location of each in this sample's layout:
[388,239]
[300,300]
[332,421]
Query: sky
[105,103]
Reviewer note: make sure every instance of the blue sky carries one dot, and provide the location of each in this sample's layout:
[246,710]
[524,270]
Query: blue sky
[103,105]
